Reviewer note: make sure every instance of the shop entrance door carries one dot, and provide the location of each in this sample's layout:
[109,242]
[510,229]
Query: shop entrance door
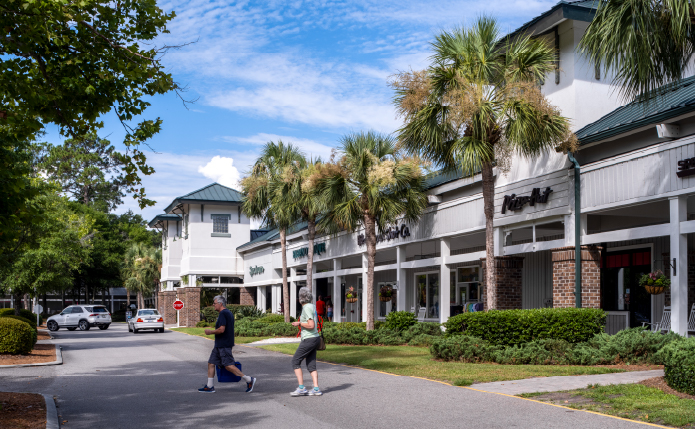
[620,290]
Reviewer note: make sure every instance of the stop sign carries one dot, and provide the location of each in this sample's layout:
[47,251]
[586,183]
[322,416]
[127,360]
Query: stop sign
[178,305]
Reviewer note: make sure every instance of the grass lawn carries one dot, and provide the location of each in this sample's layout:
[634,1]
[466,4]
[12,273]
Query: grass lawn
[631,401]
[201,333]
[417,361]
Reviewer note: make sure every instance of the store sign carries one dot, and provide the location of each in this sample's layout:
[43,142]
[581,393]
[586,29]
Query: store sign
[388,235]
[514,203]
[686,167]
[256,270]
[304,251]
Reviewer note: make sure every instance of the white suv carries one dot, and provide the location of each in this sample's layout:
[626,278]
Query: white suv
[80,316]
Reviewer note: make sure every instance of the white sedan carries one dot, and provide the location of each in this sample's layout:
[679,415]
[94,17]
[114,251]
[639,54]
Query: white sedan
[147,318]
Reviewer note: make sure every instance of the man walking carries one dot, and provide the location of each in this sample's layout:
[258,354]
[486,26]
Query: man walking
[321,307]
[222,352]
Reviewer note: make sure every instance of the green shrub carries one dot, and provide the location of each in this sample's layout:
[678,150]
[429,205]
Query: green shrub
[515,327]
[16,337]
[400,320]
[239,312]
[203,324]
[254,328]
[463,348]
[272,318]
[31,323]
[23,313]
[422,328]
[538,352]
[423,340]
[679,364]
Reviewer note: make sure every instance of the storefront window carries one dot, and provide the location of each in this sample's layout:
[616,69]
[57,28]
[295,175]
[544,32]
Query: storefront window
[385,307]
[427,294]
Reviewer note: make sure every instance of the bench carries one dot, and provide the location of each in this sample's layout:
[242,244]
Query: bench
[664,325]
[691,320]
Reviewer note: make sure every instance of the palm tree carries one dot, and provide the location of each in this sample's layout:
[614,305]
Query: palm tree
[370,186]
[645,44]
[305,201]
[478,103]
[264,192]
[141,270]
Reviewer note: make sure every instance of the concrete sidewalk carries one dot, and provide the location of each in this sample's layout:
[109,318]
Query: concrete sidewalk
[555,384]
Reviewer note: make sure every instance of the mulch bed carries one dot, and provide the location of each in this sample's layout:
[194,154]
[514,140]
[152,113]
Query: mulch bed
[42,353]
[660,383]
[22,411]
[633,367]
[43,335]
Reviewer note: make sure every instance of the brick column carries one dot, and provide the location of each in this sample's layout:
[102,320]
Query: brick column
[563,277]
[246,295]
[507,294]
[190,315]
[166,306]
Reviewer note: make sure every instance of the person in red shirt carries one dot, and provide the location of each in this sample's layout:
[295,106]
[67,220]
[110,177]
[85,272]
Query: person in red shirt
[321,307]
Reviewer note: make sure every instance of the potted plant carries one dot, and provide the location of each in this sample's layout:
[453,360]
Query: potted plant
[350,295]
[655,283]
[385,293]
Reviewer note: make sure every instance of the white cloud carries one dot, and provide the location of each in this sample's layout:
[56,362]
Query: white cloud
[310,148]
[221,170]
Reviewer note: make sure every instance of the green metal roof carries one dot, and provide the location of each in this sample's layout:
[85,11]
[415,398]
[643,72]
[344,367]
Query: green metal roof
[274,234]
[213,193]
[161,218]
[582,10]
[666,102]
[439,178]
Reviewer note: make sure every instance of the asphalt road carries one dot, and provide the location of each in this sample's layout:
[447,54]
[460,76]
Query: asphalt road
[114,379]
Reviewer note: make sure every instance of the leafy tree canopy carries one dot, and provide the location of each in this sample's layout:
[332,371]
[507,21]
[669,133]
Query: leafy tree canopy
[88,169]
[68,63]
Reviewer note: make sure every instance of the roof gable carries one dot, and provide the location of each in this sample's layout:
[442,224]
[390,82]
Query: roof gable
[211,193]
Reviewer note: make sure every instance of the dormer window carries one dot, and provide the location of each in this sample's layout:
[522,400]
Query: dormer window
[220,224]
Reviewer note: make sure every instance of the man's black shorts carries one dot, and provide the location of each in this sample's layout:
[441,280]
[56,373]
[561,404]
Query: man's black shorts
[221,356]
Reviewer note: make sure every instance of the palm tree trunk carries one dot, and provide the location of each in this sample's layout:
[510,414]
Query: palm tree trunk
[489,209]
[141,300]
[311,227]
[370,235]
[127,298]
[285,286]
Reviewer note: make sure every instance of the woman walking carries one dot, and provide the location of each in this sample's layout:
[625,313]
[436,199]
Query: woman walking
[307,348]
[329,309]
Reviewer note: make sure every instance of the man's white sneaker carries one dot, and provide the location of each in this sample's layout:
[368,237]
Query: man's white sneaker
[315,392]
[300,392]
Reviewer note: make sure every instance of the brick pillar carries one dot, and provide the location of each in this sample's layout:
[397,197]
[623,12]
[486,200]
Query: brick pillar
[166,306]
[507,294]
[190,315]
[246,295]
[563,277]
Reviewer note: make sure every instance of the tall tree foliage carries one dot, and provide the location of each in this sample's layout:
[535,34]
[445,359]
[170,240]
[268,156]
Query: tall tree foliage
[141,270]
[643,44]
[88,169]
[370,186]
[265,191]
[68,63]
[477,104]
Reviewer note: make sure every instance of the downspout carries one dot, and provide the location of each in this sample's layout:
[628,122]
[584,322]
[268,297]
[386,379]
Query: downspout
[577,233]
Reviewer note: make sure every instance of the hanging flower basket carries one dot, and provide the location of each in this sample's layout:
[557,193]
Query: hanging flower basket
[655,283]
[385,293]
[350,295]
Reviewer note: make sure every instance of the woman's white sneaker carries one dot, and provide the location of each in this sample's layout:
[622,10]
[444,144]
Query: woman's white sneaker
[315,392]
[300,392]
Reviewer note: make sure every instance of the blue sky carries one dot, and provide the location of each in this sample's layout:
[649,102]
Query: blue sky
[306,72]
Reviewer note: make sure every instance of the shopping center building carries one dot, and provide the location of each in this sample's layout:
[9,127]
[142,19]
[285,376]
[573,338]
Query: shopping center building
[635,192]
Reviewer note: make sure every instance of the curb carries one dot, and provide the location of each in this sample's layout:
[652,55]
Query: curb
[51,413]
[58,361]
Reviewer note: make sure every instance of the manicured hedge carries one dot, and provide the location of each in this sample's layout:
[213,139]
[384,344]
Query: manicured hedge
[16,337]
[516,327]
[400,320]
[30,322]
[23,313]
[631,346]
[239,311]
[679,364]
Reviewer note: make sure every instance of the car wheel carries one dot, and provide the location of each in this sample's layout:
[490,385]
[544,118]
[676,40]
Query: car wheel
[52,325]
[135,331]
[71,329]
[129,328]
[161,330]
[83,325]
[103,327]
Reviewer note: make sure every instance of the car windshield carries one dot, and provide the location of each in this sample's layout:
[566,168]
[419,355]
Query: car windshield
[148,313]
[97,309]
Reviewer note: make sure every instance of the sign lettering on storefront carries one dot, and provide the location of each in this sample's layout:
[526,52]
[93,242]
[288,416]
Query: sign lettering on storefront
[319,248]
[514,203]
[388,235]
[256,270]
[686,167]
